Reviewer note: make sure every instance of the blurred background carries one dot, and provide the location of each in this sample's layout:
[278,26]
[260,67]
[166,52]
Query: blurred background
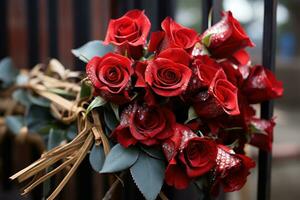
[33,31]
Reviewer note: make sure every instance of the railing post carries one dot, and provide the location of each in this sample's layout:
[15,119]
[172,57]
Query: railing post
[269,52]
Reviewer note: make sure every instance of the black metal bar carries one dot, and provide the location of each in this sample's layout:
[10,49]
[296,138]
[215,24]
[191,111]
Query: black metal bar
[206,7]
[32,19]
[53,40]
[3,29]
[82,26]
[269,52]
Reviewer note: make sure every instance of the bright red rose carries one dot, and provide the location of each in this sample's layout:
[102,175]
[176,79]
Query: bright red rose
[219,98]
[226,37]
[232,170]
[168,74]
[111,77]
[129,32]
[145,124]
[261,133]
[189,156]
[173,35]
[261,85]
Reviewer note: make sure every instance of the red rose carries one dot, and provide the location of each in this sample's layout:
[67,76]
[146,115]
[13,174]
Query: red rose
[232,170]
[261,85]
[168,74]
[221,97]
[173,35]
[261,133]
[226,37]
[145,124]
[129,32]
[189,156]
[110,76]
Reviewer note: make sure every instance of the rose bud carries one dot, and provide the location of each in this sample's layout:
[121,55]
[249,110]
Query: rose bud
[226,37]
[220,98]
[261,85]
[173,35]
[261,133]
[129,33]
[168,75]
[232,170]
[145,124]
[189,156]
[111,77]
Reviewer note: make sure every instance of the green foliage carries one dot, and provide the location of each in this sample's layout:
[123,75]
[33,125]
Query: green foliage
[97,102]
[120,158]
[8,72]
[97,157]
[148,175]
[14,123]
[92,49]
[86,90]
[191,115]
[56,136]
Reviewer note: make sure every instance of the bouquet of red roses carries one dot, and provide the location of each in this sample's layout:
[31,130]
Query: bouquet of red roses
[177,109]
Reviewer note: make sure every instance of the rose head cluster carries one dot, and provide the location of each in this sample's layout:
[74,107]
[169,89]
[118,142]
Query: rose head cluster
[188,94]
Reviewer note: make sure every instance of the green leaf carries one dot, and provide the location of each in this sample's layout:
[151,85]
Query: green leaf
[61,92]
[206,40]
[92,49]
[56,136]
[115,108]
[97,102]
[39,119]
[119,158]
[71,131]
[154,152]
[14,123]
[21,97]
[97,157]
[8,72]
[39,101]
[110,118]
[86,90]
[148,175]
[191,115]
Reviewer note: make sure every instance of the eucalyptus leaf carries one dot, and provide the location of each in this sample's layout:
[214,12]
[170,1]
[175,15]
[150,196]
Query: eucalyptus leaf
[71,131]
[38,119]
[97,157]
[97,102]
[154,152]
[115,108]
[191,115]
[8,72]
[14,123]
[56,136]
[39,101]
[110,118]
[92,49]
[148,175]
[21,97]
[120,158]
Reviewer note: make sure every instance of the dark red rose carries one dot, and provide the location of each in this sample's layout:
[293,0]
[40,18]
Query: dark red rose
[168,74]
[129,32]
[173,35]
[232,170]
[234,73]
[226,37]
[219,98]
[145,124]
[111,77]
[261,133]
[189,156]
[261,85]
